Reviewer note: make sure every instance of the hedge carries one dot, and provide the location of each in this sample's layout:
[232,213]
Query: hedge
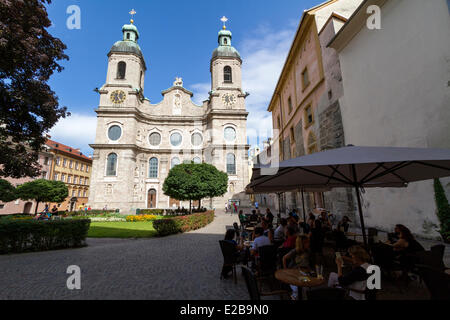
[175,225]
[33,235]
[157,212]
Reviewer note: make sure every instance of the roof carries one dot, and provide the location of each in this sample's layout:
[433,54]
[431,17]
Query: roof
[226,51]
[353,25]
[127,47]
[54,145]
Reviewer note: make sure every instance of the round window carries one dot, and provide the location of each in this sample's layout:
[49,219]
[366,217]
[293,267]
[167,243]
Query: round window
[230,134]
[114,133]
[196,139]
[155,139]
[175,139]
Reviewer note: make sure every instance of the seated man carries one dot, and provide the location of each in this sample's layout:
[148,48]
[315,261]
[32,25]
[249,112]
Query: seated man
[259,241]
[280,233]
[253,216]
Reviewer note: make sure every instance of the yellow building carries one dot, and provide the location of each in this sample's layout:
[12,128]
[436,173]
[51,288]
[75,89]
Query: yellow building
[74,169]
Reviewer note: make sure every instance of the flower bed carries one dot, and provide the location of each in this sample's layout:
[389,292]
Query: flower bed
[180,224]
[139,218]
[32,235]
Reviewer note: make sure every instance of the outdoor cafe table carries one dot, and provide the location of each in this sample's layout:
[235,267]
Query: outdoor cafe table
[292,277]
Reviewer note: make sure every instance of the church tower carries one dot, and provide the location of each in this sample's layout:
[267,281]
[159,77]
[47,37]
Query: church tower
[126,71]
[226,76]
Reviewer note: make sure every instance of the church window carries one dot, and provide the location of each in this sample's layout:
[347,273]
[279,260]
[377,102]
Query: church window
[231,164]
[111,165]
[197,160]
[305,78]
[121,70]
[196,139]
[230,134]
[227,75]
[225,41]
[155,139]
[175,139]
[114,133]
[175,161]
[128,36]
[153,168]
[309,117]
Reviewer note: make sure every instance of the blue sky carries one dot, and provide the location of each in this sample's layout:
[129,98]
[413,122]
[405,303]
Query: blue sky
[177,39]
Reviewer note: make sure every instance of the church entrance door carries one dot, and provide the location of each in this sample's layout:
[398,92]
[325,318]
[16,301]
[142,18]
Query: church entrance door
[151,203]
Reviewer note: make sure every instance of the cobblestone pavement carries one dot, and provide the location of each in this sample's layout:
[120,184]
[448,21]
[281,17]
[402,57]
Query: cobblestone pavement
[185,266]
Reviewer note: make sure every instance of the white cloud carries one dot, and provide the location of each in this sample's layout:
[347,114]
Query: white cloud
[77,131]
[263,54]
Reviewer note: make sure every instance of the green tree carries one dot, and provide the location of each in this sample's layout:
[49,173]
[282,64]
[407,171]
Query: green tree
[190,181]
[42,190]
[7,191]
[443,209]
[29,55]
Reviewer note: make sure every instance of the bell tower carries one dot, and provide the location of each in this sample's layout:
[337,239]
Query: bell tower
[226,76]
[126,70]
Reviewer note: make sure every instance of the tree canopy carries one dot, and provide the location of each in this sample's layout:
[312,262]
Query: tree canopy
[190,181]
[29,55]
[7,191]
[42,190]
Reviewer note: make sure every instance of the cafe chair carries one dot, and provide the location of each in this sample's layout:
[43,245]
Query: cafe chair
[253,288]
[329,294]
[230,258]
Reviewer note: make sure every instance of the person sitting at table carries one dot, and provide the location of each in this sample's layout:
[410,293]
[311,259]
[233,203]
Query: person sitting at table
[253,216]
[293,213]
[355,280]
[259,241]
[297,258]
[230,235]
[267,229]
[343,225]
[269,215]
[326,224]
[280,233]
[292,222]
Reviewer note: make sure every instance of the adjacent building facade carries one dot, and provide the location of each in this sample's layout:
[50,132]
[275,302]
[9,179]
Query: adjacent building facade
[397,93]
[72,167]
[137,142]
[305,106]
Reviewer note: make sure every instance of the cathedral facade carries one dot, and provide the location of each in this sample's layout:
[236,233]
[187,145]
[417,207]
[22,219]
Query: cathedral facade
[137,142]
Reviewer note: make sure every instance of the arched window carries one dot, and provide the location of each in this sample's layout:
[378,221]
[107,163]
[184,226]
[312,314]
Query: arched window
[197,160]
[227,75]
[153,168]
[229,134]
[111,165]
[121,70]
[225,41]
[175,161]
[231,164]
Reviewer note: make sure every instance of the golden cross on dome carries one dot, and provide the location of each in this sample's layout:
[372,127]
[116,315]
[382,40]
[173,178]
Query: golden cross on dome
[132,12]
[224,20]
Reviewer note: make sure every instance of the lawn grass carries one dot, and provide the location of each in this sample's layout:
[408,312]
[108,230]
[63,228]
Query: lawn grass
[121,230]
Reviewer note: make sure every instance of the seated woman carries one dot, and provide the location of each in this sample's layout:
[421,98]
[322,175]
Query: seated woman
[356,280]
[343,225]
[288,244]
[406,242]
[297,258]
[240,253]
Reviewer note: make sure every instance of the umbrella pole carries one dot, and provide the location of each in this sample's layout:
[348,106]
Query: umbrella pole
[358,196]
[304,210]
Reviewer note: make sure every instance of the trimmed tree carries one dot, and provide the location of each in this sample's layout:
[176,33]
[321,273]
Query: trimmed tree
[7,191]
[190,181]
[29,55]
[42,190]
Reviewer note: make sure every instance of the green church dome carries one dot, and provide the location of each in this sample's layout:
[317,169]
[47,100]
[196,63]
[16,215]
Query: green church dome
[126,47]
[225,49]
